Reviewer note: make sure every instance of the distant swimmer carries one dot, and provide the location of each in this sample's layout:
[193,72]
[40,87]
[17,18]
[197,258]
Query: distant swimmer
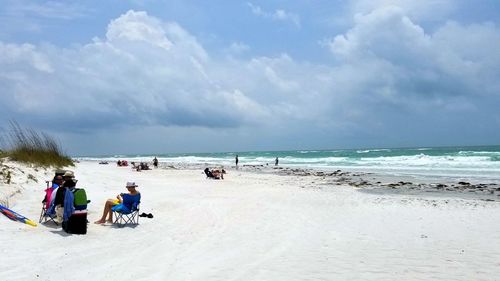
[276,162]
[236,160]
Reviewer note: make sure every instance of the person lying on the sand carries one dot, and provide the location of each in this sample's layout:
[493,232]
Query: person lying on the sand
[122,198]
[215,173]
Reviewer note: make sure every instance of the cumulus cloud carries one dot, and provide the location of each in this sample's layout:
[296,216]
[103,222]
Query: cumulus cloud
[394,75]
[278,14]
[144,71]
[11,54]
[410,63]
[416,10]
[138,27]
[388,73]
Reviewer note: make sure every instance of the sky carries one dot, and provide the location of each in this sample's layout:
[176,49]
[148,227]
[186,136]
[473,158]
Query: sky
[147,76]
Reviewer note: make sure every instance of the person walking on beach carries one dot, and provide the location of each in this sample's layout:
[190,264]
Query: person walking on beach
[276,162]
[236,160]
[155,162]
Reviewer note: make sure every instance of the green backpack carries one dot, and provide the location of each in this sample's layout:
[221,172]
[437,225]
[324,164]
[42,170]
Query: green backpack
[80,200]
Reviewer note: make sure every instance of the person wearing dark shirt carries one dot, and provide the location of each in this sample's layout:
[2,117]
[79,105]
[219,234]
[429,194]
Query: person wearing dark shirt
[69,183]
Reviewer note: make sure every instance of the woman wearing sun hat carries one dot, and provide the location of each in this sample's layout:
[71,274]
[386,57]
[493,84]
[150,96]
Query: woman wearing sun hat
[123,200]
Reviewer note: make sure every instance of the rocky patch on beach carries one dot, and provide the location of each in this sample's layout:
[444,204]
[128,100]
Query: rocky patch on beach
[369,181]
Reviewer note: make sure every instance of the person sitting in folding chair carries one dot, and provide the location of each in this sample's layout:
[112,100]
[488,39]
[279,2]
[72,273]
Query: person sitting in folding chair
[69,183]
[48,208]
[126,205]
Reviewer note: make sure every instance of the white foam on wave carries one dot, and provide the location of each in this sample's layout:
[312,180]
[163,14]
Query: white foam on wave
[472,163]
[323,160]
[476,164]
[373,150]
[490,153]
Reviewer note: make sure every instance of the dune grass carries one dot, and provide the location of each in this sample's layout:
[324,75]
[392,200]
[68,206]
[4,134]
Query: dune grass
[29,146]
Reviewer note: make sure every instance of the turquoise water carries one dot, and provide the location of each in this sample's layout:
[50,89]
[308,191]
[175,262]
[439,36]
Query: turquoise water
[472,161]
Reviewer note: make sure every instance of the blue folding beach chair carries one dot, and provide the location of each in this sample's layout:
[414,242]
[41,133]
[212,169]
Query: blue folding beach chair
[128,211]
[46,215]
[48,209]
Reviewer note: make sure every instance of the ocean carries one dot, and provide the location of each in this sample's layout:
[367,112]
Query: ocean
[471,162]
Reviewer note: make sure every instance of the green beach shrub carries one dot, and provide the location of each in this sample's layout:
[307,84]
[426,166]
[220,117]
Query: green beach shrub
[29,146]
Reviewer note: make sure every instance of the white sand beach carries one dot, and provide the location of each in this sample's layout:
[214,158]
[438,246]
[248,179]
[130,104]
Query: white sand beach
[251,226]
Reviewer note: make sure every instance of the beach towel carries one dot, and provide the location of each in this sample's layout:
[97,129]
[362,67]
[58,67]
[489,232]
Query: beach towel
[51,210]
[48,197]
[69,207]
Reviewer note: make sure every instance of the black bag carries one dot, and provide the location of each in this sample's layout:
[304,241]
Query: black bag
[77,223]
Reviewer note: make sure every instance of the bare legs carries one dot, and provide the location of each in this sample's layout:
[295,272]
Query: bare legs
[107,212]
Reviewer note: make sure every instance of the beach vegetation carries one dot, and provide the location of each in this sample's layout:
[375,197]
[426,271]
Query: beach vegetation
[32,147]
[5,174]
